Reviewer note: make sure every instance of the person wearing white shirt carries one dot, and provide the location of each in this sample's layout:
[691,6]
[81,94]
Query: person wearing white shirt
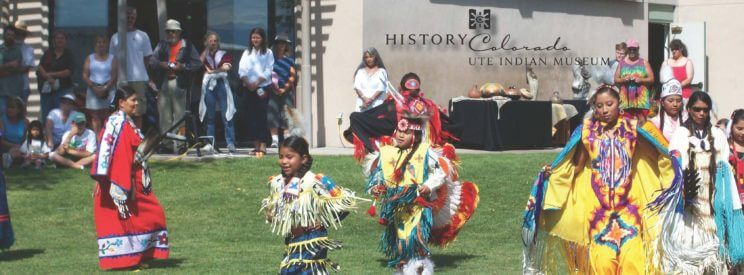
[78,145]
[59,121]
[254,69]
[139,51]
[370,81]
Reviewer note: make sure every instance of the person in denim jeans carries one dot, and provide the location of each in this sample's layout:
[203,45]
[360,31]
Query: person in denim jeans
[55,68]
[216,89]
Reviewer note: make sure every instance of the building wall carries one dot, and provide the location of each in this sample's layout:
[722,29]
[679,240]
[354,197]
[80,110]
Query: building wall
[723,40]
[587,28]
[335,40]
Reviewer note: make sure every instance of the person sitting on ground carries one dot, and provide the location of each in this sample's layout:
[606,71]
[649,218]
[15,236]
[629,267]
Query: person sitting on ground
[13,127]
[78,145]
[34,148]
[58,121]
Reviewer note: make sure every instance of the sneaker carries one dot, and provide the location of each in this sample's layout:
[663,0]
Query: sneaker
[231,149]
[7,160]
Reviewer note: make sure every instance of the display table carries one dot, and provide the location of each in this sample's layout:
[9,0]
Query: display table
[478,125]
[499,123]
[526,124]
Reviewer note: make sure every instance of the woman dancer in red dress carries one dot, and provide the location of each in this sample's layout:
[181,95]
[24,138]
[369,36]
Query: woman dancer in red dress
[130,224]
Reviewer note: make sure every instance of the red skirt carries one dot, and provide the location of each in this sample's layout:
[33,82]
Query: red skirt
[128,242]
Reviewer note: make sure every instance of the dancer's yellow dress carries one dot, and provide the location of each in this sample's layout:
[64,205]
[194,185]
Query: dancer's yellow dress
[589,215]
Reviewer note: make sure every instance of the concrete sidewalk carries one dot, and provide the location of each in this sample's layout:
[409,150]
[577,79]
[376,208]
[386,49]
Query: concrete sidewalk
[320,151]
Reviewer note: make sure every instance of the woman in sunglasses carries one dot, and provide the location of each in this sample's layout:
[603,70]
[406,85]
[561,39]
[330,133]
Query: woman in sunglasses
[634,76]
[702,217]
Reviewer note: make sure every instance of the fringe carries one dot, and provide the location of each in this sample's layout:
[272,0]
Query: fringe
[728,244]
[729,221]
[307,210]
[396,202]
[316,267]
[313,246]
[530,219]
[671,197]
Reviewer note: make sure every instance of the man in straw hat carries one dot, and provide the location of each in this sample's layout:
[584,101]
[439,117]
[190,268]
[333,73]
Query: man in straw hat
[175,61]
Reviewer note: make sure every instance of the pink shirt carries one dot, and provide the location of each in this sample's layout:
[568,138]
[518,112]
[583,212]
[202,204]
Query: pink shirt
[670,124]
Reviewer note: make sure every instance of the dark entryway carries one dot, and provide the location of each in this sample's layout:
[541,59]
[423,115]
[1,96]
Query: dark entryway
[657,36]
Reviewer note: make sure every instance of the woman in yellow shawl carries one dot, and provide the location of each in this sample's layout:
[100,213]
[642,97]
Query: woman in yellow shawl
[587,212]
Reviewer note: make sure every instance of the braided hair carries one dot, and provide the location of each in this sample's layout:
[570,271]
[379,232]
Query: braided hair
[400,170]
[707,128]
[299,145]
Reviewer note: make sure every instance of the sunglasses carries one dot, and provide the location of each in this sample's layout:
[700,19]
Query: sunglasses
[698,109]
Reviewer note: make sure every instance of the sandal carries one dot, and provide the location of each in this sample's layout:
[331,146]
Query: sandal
[257,153]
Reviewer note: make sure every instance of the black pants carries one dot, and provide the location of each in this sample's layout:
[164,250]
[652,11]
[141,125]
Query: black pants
[373,123]
[258,128]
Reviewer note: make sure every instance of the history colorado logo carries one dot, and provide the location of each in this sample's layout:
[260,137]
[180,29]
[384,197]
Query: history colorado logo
[480,20]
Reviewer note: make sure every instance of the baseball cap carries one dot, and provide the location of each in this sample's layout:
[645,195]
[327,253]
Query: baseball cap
[632,43]
[70,97]
[78,117]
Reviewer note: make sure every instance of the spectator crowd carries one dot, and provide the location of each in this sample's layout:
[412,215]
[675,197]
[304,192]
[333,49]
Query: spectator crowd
[163,77]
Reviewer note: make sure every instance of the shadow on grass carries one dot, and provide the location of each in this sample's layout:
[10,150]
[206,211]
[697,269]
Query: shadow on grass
[167,263]
[20,254]
[43,179]
[446,261]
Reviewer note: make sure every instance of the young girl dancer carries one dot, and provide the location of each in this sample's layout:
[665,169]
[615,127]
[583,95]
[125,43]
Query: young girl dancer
[671,114]
[301,206]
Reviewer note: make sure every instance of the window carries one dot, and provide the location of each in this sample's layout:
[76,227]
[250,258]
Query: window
[67,13]
[234,19]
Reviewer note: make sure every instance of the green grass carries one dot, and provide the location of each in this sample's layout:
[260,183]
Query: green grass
[214,224]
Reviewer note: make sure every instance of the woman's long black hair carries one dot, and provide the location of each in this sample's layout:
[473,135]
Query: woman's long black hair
[122,93]
[299,145]
[707,129]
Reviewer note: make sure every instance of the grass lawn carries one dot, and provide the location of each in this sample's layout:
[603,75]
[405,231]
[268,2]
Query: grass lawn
[214,224]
